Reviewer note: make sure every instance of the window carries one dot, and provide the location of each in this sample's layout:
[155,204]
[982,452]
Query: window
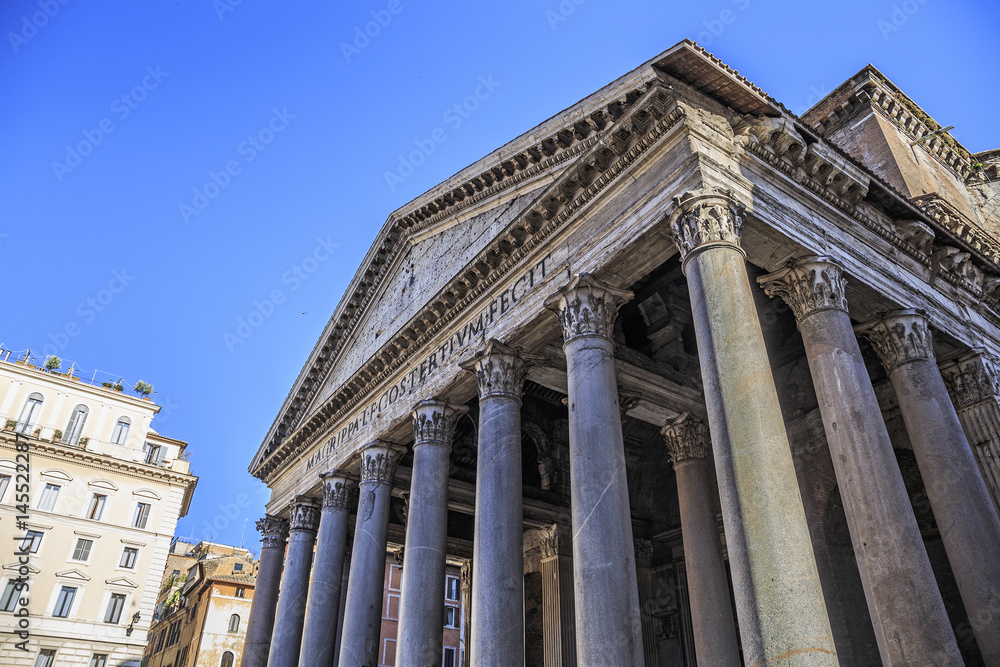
[241,592]
[237,567]
[451,589]
[129,556]
[82,550]
[96,507]
[99,660]
[64,603]
[451,617]
[32,540]
[115,606]
[449,657]
[141,515]
[8,601]
[182,661]
[234,623]
[49,495]
[389,652]
[45,658]
[159,640]
[29,413]
[154,454]
[227,659]
[173,633]
[120,433]
[4,481]
[75,426]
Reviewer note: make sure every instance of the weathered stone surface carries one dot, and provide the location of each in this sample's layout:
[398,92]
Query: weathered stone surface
[257,645]
[287,637]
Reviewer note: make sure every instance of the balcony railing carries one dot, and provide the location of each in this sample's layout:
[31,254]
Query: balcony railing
[94,378]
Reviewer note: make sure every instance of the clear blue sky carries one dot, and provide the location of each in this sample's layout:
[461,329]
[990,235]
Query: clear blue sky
[94,183]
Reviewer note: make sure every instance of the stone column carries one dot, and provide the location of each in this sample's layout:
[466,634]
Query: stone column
[782,613]
[970,528]
[421,604]
[907,611]
[711,612]
[974,385]
[558,613]
[363,616]
[643,559]
[608,624]
[256,646]
[498,592]
[319,637]
[287,636]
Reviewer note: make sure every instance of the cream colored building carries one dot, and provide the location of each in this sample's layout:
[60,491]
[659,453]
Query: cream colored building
[104,495]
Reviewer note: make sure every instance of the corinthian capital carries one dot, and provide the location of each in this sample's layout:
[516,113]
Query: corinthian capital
[337,490]
[971,378]
[808,285]
[899,336]
[704,218]
[378,461]
[434,422]
[587,307]
[500,370]
[273,531]
[305,514]
[686,438]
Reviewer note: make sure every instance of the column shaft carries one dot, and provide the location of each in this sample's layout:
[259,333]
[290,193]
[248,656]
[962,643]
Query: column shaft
[782,613]
[906,608]
[342,611]
[711,612]
[421,606]
[363,616]
[260,625]
[558,609]
[498,562]
[643,557]
[608,623]
[287,637]
[323,608]
[970,528]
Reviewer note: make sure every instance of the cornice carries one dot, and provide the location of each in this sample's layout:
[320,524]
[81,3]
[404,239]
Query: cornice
[648,116]
[95,460]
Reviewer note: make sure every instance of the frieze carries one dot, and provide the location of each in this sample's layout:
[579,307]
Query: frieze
[587,307]
[687,439]
[899,336]
[499,370]
[808,285]
[273,531]
[338,489]
[411,381]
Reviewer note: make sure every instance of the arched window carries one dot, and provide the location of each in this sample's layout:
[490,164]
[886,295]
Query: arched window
[234,623]
[75,427]
[227,659]
[30,412]
[120,433]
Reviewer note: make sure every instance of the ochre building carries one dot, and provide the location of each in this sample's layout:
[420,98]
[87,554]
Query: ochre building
[682,376]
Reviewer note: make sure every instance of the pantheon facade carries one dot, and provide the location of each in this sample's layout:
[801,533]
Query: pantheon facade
[681,377]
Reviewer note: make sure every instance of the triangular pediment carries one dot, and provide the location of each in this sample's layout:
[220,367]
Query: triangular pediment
[15,567]
[73,575]
[121,582]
